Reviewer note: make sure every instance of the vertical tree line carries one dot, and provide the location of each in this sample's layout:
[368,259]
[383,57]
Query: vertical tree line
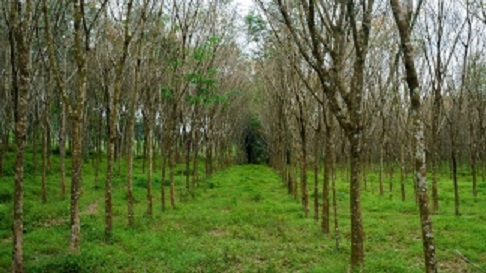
[100,81]
[391,85]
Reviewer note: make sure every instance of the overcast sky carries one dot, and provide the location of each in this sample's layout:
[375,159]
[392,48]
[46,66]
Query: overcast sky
[244,5]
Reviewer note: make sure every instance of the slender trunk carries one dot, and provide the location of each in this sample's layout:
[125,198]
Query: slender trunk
[34,148]
[21,87]
[188,160]
[357,254]
[316,180]
[328,161]
[332,169]
[110,154]
[149,171]
[419,151]
[62,149]
[289,173]
[44,160]
[454,178]
[402,171]
[163,179]
[130,132]
[77,163]
[474,174]
[391,172]
[195,168]
[382,155]
[77,126]
[100,146]
[195,171]
[3,152]
[144,156]
[171,176]
[303,177]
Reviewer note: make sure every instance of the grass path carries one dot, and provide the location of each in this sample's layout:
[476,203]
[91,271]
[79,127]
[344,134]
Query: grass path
[239,220]
[243,222]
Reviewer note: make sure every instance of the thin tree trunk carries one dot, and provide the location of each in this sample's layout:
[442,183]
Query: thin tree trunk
[416,115]
[110,154]
[21,71]
[332,169]
[62,148]
[357,248]
[195,167]
[44,162]
[402,171]
[149,172]
[328,162]
[77,126]
[382,154]
[163,178]
[454,176]
[316,178]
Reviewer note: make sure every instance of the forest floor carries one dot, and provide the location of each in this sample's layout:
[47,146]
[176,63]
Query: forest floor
[239,220]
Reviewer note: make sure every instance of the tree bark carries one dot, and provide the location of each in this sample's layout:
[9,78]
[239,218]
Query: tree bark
[357,248]
[76,116]
[328,162]
[416,115]
[20,47]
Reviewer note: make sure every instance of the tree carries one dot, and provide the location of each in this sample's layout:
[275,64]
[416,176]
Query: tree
[20,21]
[402,20]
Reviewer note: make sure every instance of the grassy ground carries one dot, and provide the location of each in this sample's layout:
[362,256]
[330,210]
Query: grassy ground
[240,220]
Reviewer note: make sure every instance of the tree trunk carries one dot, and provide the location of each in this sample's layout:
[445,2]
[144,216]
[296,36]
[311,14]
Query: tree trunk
[402,171]
[328,162]
[21,84]
[45,138]
[149,171]
[416,115]
[332,169]
[454,175]
[382,154]
[163,178]
[62,148]
[316,178]
[77,127]
[357,254]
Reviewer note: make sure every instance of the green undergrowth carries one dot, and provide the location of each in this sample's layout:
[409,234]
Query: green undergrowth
[239,220]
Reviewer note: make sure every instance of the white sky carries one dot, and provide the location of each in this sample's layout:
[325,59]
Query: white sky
[244,6]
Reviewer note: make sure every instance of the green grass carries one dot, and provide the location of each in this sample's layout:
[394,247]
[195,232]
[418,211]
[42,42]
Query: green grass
[239,220]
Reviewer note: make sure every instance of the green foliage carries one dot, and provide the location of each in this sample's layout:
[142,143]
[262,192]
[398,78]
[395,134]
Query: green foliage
[255,26]
[255,143]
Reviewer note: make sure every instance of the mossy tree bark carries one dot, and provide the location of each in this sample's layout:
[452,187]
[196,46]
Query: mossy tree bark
[419,151]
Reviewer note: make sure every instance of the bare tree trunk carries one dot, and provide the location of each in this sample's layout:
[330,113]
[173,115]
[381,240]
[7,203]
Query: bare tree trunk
[110,154]
[163,178]
[332,169]
[454,173]
[473,159]
[149,171]
[416,115]
[195,171]
[382,153]
[20,47]
[328,162]
[3,151]
[357,254]
[402,171]
[45,138]
[77,126]
[62,148]
[316,178]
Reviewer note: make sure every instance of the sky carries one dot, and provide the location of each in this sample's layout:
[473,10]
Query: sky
[244,6]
